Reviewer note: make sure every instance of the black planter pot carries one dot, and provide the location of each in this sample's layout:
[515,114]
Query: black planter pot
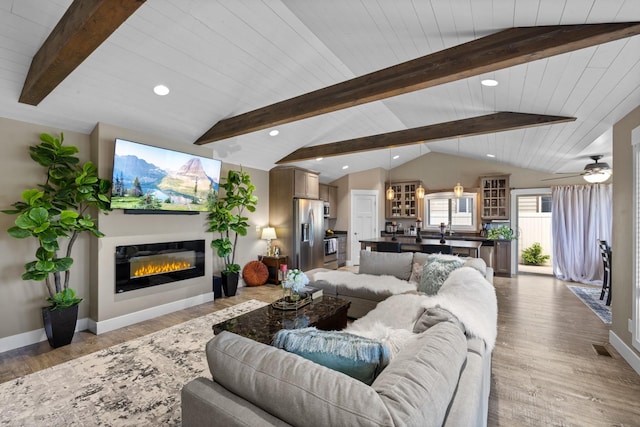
[60,325]
[230,283]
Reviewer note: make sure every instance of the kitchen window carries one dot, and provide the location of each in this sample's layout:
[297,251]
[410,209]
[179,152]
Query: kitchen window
[445,208]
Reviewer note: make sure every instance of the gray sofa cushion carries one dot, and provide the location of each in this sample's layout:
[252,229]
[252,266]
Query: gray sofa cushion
[432,316]
[418,384]
[389,263]
[290,387]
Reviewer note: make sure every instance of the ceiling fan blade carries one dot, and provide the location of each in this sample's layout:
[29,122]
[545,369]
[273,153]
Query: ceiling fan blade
[562,177]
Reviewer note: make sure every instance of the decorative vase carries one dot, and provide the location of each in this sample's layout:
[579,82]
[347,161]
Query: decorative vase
[60,324]
[230,283]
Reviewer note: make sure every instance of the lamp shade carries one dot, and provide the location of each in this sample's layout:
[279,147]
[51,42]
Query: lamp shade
[597,177]
[458,190]
[268,233]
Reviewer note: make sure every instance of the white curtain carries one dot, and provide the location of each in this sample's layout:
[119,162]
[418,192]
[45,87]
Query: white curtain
[581,215]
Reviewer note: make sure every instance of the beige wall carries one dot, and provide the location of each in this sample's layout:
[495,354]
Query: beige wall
[21,300]
[139,229]
[93,268]
[622,241]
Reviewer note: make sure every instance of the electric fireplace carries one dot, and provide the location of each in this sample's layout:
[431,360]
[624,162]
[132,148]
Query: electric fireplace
[152,264]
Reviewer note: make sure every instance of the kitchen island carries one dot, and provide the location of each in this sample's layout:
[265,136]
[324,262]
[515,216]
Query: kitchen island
[409,244]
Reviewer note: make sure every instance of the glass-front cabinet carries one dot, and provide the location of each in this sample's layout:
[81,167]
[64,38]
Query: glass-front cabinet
[495,197]
[404,204]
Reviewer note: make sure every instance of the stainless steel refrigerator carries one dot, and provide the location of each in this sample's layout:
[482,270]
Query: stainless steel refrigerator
[307,234]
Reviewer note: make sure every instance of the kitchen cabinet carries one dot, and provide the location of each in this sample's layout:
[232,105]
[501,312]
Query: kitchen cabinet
[294,182]
[342,250]
[329,193]
[405,204]
[495,197]
[502,257]
[306,184]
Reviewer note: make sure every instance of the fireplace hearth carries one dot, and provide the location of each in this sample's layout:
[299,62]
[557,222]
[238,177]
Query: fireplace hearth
[152,264]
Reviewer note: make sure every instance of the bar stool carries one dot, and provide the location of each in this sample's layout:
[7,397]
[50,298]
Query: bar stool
[388,247]
[605,251]
[436,249]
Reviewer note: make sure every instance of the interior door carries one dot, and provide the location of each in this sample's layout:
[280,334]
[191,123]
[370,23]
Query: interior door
[364,220]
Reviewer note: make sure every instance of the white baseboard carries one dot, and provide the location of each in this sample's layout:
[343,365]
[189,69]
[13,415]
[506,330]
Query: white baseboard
[625,351]
[146,314]
[38,335]
[33,337]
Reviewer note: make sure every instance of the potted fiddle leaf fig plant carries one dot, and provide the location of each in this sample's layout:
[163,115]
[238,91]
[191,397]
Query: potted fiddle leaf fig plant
[226,217]
[55,214]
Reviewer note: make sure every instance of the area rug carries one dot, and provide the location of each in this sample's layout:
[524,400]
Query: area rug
[136,383]
[591,297]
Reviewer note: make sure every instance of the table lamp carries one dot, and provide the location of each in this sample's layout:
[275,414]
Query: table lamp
[268,234]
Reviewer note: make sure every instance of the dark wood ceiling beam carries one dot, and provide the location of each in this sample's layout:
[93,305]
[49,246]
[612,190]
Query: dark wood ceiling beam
[497,122]
[494,52]
[82,28]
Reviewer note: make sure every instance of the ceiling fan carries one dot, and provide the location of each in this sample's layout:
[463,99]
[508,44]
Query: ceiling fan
[594,173]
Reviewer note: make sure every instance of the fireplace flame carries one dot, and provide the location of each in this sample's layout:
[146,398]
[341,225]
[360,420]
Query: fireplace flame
[161,267]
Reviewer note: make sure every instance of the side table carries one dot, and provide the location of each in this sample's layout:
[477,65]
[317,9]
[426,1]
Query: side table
[273,264]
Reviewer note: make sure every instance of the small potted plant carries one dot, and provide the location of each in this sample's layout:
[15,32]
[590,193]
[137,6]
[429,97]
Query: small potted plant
[226,217]
[56,212]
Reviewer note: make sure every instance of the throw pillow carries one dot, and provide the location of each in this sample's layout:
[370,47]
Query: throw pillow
[432,316]
[359,357]
[435,272]
[477,263]
[416,272]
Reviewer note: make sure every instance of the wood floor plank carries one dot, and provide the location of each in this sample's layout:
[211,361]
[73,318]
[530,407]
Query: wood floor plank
[545,371]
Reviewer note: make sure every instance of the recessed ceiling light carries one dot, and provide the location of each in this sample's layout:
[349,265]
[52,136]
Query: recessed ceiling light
[274,132]
[345,167]
[397,156]
[491,155]
[161,90]
[319,158]
[489,82]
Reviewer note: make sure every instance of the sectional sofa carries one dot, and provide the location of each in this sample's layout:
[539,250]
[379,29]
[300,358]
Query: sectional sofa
[438,375]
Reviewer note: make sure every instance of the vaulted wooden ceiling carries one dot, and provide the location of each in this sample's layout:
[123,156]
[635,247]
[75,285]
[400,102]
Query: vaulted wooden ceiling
[237,64]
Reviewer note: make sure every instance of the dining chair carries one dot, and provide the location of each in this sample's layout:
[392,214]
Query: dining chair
[605,251]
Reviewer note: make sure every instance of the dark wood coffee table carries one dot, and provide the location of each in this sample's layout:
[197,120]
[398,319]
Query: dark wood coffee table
[327,313]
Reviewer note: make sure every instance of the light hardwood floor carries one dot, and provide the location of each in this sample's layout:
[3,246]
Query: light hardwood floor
[545,370]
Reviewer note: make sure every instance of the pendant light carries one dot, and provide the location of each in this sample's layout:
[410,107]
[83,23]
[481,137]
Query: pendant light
[391,194]
[458,189]
[420,189]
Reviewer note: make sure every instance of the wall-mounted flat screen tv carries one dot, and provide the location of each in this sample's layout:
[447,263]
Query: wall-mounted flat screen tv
[156,180]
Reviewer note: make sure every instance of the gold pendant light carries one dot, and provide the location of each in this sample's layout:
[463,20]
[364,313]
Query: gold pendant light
[458,189]
[391,194]
[420,189]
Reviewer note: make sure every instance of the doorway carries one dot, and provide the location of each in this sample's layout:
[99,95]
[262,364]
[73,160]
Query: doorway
[532,253]
[364,220]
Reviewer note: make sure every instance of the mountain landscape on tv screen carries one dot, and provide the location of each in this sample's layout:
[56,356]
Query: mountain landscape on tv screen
[138,184]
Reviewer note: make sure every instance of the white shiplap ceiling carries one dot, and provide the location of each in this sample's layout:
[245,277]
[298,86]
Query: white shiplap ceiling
[223,58]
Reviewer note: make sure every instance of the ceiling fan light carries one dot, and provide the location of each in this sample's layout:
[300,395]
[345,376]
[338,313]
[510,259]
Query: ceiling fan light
[458,190]
[597,177]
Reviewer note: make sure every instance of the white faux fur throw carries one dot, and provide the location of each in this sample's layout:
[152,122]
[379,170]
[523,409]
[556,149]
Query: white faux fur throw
[465,293]
[472,299]
[370,281]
